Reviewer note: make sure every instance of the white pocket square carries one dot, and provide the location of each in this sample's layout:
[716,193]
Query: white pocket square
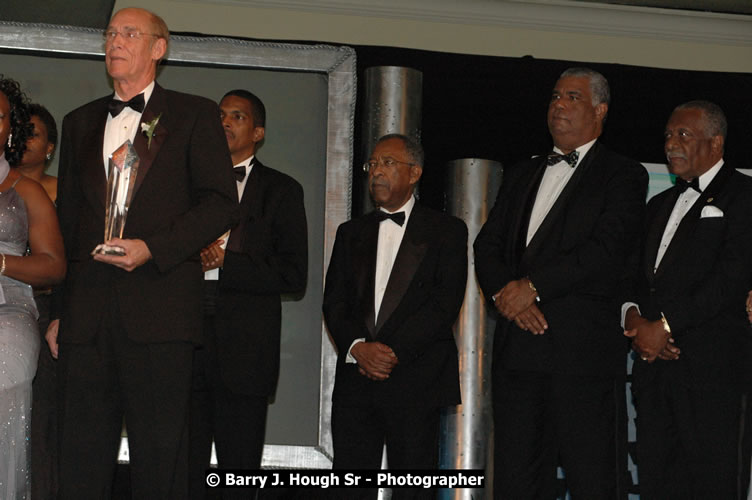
[711,211]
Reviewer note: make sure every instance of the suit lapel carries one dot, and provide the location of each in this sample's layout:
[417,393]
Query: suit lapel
[519,229]
[365,249]
[155,110]
[558,209]
[409,256]
[92,166]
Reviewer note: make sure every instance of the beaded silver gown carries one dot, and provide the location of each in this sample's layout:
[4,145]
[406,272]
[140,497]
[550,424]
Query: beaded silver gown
[19,350]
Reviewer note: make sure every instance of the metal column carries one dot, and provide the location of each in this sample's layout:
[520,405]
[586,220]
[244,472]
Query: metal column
[393,105]
[472,185]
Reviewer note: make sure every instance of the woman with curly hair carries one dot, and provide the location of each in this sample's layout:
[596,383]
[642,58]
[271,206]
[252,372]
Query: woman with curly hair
[27,217]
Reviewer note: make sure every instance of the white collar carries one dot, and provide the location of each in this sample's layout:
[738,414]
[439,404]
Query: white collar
[245,163]
[705,179]
[407,208]
[147,91]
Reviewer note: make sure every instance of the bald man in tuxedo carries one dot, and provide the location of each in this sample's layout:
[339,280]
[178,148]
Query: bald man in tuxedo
[127,323]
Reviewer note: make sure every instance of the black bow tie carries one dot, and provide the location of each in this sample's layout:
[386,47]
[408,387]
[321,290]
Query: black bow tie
[684,185]
[570,158]
[397,217]
[136,104]
[239,173]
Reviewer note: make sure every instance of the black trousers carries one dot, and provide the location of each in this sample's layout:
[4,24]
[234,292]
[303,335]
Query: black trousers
[692,442]
[411,436]
[236,422]
[544,420]
[100,384]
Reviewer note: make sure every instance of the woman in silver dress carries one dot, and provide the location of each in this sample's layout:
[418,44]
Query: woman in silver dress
[40,147]
[26,215]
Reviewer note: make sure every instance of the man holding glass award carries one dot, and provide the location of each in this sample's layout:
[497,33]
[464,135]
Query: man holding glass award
[128,316]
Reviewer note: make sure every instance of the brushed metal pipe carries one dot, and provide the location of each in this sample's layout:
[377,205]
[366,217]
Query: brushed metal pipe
[472,185]
[393,100]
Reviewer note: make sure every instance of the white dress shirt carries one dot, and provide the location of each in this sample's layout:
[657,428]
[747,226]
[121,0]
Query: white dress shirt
[390,239]
[122,127]
[682,206]
[554,180]
[213,274]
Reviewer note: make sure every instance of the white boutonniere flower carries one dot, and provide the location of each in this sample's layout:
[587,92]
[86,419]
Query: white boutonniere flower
[148,129]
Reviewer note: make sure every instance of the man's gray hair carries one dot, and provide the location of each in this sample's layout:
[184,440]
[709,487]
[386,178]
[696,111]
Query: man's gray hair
[413,147]
[714,117]
[598,84]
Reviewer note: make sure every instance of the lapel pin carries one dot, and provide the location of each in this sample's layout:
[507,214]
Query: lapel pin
[710,199]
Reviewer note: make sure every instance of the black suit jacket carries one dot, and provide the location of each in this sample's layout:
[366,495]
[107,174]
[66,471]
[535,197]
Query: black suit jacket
[701,283]
[576,260]
[423,297]
[185,197]
[267,255]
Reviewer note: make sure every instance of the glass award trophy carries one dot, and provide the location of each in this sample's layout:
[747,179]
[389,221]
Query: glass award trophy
[121,177]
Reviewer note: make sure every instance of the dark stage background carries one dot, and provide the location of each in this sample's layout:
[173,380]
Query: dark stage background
[495,108]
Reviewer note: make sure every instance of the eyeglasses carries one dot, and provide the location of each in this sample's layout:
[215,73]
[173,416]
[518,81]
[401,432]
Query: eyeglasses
[387,161]
[128,34]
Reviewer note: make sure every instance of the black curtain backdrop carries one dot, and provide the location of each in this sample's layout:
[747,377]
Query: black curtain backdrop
[495,108]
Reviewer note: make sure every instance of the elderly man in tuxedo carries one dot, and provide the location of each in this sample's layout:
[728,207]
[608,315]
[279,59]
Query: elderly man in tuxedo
[551,258]
[264,256]
[394,287]
[127,323]
[686,322]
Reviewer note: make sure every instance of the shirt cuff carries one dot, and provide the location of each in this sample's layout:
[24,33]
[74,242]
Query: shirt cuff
[349,358]
[624,308]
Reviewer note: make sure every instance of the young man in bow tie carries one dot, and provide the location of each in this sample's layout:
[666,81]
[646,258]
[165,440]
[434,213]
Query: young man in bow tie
[263,256]
[127,323]
[691,380]
[550,258]
[394,287]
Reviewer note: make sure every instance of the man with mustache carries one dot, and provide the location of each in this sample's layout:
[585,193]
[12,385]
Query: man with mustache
[128,323]
[550,258]
[394,287]
[247,270]
[686,322]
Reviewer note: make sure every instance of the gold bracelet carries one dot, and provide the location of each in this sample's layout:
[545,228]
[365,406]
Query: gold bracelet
[2,266]
[665,324]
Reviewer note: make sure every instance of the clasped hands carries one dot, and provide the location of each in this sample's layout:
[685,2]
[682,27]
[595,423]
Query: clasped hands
[649,338]
[213,256]
[375,360]
[516,302]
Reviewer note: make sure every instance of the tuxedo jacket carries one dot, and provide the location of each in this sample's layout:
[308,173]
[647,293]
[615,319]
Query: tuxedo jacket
[701,283]
[577,260]
[184,198]
[266,256]
[424,294]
